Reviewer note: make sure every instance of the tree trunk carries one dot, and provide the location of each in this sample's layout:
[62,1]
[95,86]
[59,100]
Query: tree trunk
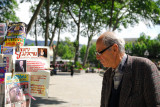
[56,50]
[36,43]
[110,24]
[54,30]
[34,15]
[87,50]
[77,40]
[47,22]
[77,46]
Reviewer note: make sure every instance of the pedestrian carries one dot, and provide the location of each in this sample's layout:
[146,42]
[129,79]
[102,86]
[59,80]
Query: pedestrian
[129,81]
[72,71]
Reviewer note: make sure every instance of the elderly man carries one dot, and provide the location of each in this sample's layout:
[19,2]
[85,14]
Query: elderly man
[129,81]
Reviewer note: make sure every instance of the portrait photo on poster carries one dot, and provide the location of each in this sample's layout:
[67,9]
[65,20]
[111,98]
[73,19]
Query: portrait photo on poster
[20,66]
[14,94]
[42,52]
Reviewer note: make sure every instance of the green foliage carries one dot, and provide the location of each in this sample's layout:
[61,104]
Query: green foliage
[87,65]
[129,47]
[158,38]
[75,43]
[32,44]
[66,49]
[83,52]
[92,56]
[154,48]
[144,43]
[139,48]
[7,10]
[78,65]
[69,64]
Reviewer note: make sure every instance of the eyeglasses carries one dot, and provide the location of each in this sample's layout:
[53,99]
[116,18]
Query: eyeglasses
[99,53]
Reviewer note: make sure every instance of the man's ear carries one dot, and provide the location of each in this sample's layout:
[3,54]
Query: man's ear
[115,48]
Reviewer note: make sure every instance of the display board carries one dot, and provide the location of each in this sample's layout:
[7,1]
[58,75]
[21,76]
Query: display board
[40,83]
[17,90]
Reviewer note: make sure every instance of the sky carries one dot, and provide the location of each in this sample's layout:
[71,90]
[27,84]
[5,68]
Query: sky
[131,32]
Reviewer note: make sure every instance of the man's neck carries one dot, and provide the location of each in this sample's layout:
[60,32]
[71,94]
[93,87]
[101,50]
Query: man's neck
[118,60]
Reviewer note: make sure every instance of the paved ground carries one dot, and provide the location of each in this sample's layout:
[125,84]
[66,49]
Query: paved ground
[81,90]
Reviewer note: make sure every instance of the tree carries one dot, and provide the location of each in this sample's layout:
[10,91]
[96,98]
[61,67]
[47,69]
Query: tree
[47,22]
[74,9]
[144,43]
[56,49]
[7,10]
[35,15]
[92,57]
[129,48]
[129,12]
[57,22]
[153,48]
[158,38]
[139,48]
[66,49]
[83,52]
[91,22]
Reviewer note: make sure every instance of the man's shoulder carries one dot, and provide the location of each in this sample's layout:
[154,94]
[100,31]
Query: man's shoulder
[141,62]
[137,59]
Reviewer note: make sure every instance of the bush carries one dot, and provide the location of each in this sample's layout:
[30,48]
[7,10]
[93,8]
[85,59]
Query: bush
[79,66]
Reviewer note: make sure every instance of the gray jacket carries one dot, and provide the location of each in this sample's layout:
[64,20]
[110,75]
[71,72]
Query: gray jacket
[140,84]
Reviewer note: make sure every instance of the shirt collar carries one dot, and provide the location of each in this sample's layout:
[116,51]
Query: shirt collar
[122,62]
[120,66]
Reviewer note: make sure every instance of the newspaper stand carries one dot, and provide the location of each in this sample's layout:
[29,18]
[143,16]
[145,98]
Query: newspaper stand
[36,62]
[2,95]
[11,34]
[2,87]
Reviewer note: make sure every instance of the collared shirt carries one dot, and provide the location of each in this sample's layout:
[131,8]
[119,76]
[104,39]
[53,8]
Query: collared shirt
[118,72]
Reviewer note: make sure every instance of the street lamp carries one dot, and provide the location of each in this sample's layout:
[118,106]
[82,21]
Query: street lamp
[146,53]
[128,51]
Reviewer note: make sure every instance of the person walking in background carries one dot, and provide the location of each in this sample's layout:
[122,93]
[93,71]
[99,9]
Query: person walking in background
[129,81]
[72,71]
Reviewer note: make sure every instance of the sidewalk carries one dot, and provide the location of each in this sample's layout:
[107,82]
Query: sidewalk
[81,90]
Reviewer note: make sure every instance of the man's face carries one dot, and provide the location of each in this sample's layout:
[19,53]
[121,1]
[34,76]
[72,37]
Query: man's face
[12,94]
[107,58]
[21,63]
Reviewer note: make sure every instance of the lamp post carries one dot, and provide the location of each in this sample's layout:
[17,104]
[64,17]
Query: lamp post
[146,53]
[128,51]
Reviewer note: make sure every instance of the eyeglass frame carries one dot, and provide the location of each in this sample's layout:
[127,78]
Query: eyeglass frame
[99,53]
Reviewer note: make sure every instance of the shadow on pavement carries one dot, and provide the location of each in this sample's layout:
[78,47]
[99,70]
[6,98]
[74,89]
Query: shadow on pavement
[43,101]
[65,74]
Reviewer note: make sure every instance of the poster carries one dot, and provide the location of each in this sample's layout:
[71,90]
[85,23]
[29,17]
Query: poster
[35,58]
[2,95]
[2,74]
[13,41]
[3,29]
[8,60]
[17,90]
[7,50]
[16,34]
[0,49]
[5,66]
[39,83]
